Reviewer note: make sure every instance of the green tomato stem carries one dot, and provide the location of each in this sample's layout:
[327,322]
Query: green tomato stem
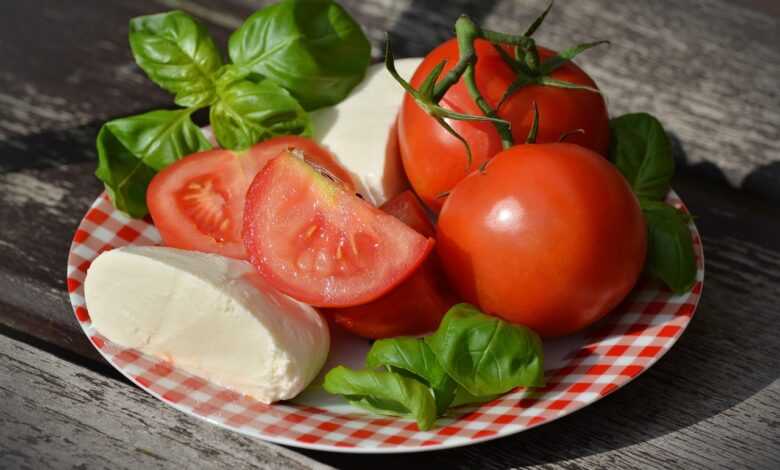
[467,32]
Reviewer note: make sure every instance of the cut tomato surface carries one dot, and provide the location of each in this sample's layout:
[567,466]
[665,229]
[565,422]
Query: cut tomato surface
[415,306]
[197,203]
[321,244]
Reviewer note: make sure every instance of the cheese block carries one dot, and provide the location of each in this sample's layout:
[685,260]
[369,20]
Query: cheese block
[209,315]
[360,131]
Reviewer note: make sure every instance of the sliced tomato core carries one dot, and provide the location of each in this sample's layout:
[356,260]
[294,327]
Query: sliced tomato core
[206,205]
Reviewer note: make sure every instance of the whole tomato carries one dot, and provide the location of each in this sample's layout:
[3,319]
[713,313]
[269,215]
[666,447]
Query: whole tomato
[549,236]
[435,161]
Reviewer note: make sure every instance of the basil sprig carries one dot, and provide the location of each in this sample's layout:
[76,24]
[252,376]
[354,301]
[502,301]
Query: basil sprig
[642,152]
[471,358]
[288,57]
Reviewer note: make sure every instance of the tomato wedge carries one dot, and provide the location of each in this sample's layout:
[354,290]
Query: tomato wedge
[418,304]
[197,203]
[321,244]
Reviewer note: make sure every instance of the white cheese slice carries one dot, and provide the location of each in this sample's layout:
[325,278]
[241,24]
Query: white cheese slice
[358,131]
[209,315]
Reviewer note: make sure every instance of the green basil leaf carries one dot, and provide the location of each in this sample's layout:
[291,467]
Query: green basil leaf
[248,112]
[133,149]
[383,392]
[178,54]
[415,357]
[313,48]
[642,152]
[463,397]
[670,255]
[487,355]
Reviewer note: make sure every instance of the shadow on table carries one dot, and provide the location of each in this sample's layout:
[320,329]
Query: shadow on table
[728,354]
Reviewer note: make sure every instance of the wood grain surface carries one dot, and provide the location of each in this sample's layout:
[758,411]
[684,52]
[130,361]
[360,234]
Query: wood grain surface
[707,68]
[58,415]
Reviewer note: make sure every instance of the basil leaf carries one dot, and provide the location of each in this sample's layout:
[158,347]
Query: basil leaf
[642,152]
[414,356]
[383,392]
[313,48]
[463,397]
[248,112]
[487,355]
[670,255]
[178,54]
[132,149]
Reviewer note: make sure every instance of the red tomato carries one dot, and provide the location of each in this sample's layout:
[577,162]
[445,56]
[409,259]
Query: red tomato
[435,161]
[197,203]
[321,244]
[551,237]
[407,208]
[417,305]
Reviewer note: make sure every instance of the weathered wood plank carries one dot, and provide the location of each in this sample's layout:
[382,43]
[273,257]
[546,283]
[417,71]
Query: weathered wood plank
[58,415]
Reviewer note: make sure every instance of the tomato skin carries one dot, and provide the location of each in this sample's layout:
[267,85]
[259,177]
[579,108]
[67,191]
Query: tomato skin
[408,209]
[321,244]
[435,161]
[418,304]
[551,237]
[223,177]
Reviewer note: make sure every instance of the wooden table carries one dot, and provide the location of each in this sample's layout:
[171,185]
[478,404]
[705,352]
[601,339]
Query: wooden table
[710,69]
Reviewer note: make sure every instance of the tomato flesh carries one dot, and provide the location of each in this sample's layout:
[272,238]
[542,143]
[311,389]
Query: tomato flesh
[550,236]
[418,304]
[197,203]
[321,244]
[435,161]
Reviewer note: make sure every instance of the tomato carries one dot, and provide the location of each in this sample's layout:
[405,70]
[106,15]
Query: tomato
[435,161]
[197,203]
[407,208]
[417,305]
[550,236]
[321,244]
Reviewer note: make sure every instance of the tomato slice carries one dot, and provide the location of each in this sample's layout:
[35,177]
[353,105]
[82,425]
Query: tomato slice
[415,306]
[197,203]
[321,244]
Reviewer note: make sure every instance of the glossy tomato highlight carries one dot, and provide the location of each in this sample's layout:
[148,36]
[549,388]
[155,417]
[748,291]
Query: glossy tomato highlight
[550,236]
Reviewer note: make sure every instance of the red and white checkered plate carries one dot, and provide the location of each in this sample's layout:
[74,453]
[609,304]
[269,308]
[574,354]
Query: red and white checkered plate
[580,369]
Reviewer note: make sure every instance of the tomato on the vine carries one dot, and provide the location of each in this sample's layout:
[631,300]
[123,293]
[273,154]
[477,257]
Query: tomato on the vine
[418,304]
[549,236]
[435,160]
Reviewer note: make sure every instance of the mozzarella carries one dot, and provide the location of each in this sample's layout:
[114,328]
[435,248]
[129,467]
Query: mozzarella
[358,131]
[209,315]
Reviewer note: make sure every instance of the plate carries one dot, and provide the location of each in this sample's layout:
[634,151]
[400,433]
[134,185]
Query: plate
[580,369]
